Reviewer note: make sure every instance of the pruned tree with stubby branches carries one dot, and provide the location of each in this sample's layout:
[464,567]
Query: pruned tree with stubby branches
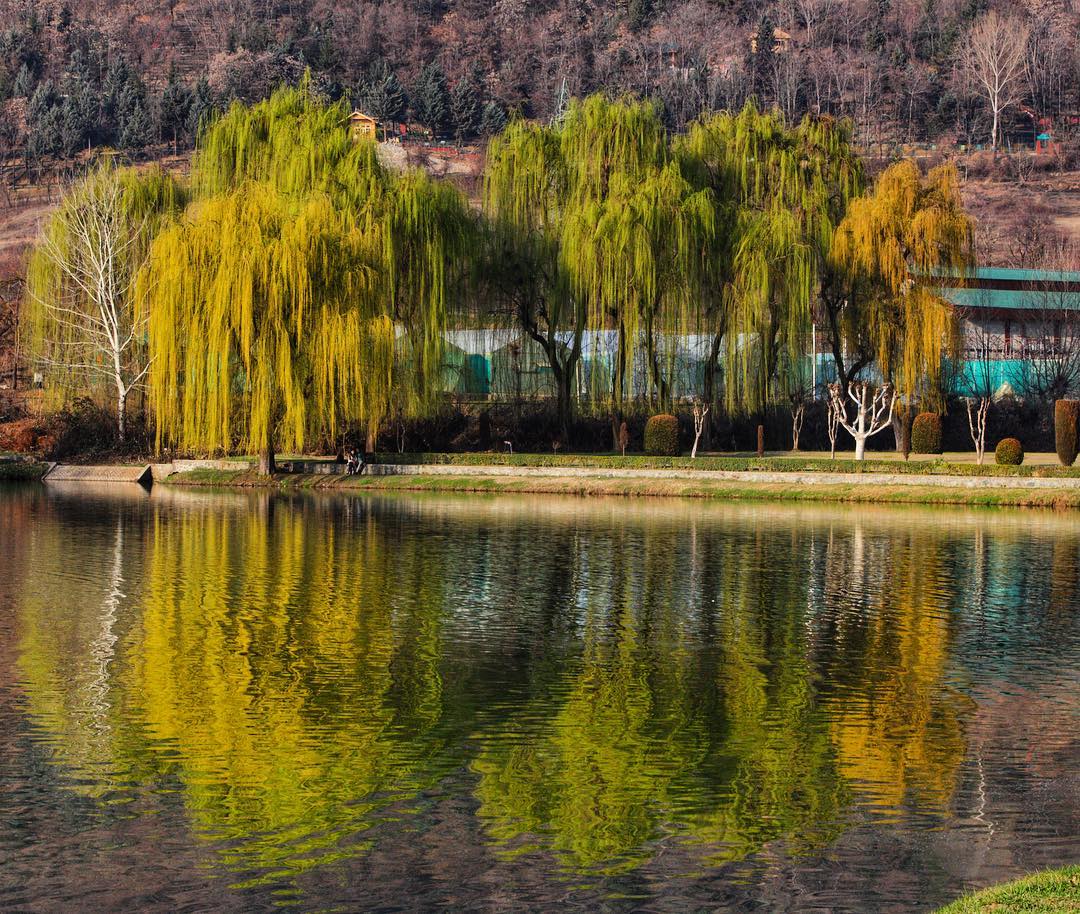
[873,410]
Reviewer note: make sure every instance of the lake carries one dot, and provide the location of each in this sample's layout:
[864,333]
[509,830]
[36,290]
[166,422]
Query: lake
[239,701]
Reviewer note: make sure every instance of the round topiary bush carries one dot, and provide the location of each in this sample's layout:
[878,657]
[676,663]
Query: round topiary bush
[926,434]
[1009,452]
[662,436]
[1066,422]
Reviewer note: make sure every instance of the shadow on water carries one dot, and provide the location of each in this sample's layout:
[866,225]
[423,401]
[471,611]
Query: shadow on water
[527,702]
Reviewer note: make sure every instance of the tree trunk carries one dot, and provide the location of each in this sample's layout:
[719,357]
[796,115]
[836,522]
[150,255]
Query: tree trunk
[860,447]
[372,438]
[267,463]
[121,414]
[564,382]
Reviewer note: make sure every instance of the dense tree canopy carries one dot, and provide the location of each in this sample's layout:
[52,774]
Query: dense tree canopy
[306,288]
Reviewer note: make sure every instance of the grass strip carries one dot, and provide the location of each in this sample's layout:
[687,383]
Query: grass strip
[664,488]
[1050,892]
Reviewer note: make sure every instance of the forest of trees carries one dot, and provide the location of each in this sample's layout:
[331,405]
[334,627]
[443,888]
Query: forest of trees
[113,73]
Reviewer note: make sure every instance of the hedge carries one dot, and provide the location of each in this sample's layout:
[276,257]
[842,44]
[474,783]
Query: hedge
[1066,414]
[926,434]
[1009,453]
[662,436]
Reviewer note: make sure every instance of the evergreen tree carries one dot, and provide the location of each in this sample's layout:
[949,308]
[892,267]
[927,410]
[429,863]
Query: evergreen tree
[137,128]
[175,110]
[383,97]
[202,109]
[44,99]
[493,121]
[431,102]
[465,108]
[638,13]
[46,134]
[761,58]
[24,83]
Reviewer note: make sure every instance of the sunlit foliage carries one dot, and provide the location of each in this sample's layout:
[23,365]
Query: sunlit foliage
[890,246]
[307,288]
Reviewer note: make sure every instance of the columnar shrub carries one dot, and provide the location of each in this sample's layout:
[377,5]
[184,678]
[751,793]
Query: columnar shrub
[1066,416]
[662,436]
[1009,453]
[926,434]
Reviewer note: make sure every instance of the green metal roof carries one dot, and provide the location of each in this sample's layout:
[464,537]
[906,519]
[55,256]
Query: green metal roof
[1003,288]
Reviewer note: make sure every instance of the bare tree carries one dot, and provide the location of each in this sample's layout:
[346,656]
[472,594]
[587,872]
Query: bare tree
[699,426]
[993,59]
[873,411]
[978,377]
[81,291]
[834,411]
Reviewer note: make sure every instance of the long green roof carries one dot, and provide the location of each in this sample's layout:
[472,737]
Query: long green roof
[1003,288]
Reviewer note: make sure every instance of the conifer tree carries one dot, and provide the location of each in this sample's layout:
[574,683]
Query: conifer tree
[493,120]
[465,108]
[431,99]
[175,110]
[202,108]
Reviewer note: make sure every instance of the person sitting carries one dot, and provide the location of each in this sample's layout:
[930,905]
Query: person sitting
[352,461]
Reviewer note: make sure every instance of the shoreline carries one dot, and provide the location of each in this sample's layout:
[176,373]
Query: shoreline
[672,485]
[929,484]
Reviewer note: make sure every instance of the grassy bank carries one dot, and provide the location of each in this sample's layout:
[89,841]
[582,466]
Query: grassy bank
[1052,892]
[742,463]
[21,470]
[676,488]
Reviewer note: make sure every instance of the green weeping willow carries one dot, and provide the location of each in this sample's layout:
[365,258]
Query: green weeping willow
[305,291]
[889,248]
[780,192]
[599,234]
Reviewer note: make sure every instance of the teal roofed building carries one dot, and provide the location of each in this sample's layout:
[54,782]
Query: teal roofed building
[1014,322]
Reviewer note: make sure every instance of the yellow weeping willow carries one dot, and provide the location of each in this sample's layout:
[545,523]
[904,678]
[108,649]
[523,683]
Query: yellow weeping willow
[889,248]
[306,289]
[261,306]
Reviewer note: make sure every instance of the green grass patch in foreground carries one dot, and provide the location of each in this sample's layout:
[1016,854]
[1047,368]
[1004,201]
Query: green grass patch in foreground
[1051,892]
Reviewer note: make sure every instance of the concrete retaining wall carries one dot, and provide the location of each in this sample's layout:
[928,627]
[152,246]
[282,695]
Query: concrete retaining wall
[744,476]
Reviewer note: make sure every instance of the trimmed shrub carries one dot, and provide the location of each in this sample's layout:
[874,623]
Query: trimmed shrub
[1009,453]
[1066,442]
[662,436]
[926,434]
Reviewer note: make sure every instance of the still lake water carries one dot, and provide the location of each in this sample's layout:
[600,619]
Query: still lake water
[234,701]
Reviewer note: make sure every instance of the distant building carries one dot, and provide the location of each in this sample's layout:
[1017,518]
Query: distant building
[1017,319]
[363,126]
[781,41]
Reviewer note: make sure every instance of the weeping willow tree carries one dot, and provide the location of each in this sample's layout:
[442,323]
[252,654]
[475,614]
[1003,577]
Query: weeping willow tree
[86,321]
[264,325]
[781,192]
[595,230]
[526,197]
[306,290]
[892,244]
